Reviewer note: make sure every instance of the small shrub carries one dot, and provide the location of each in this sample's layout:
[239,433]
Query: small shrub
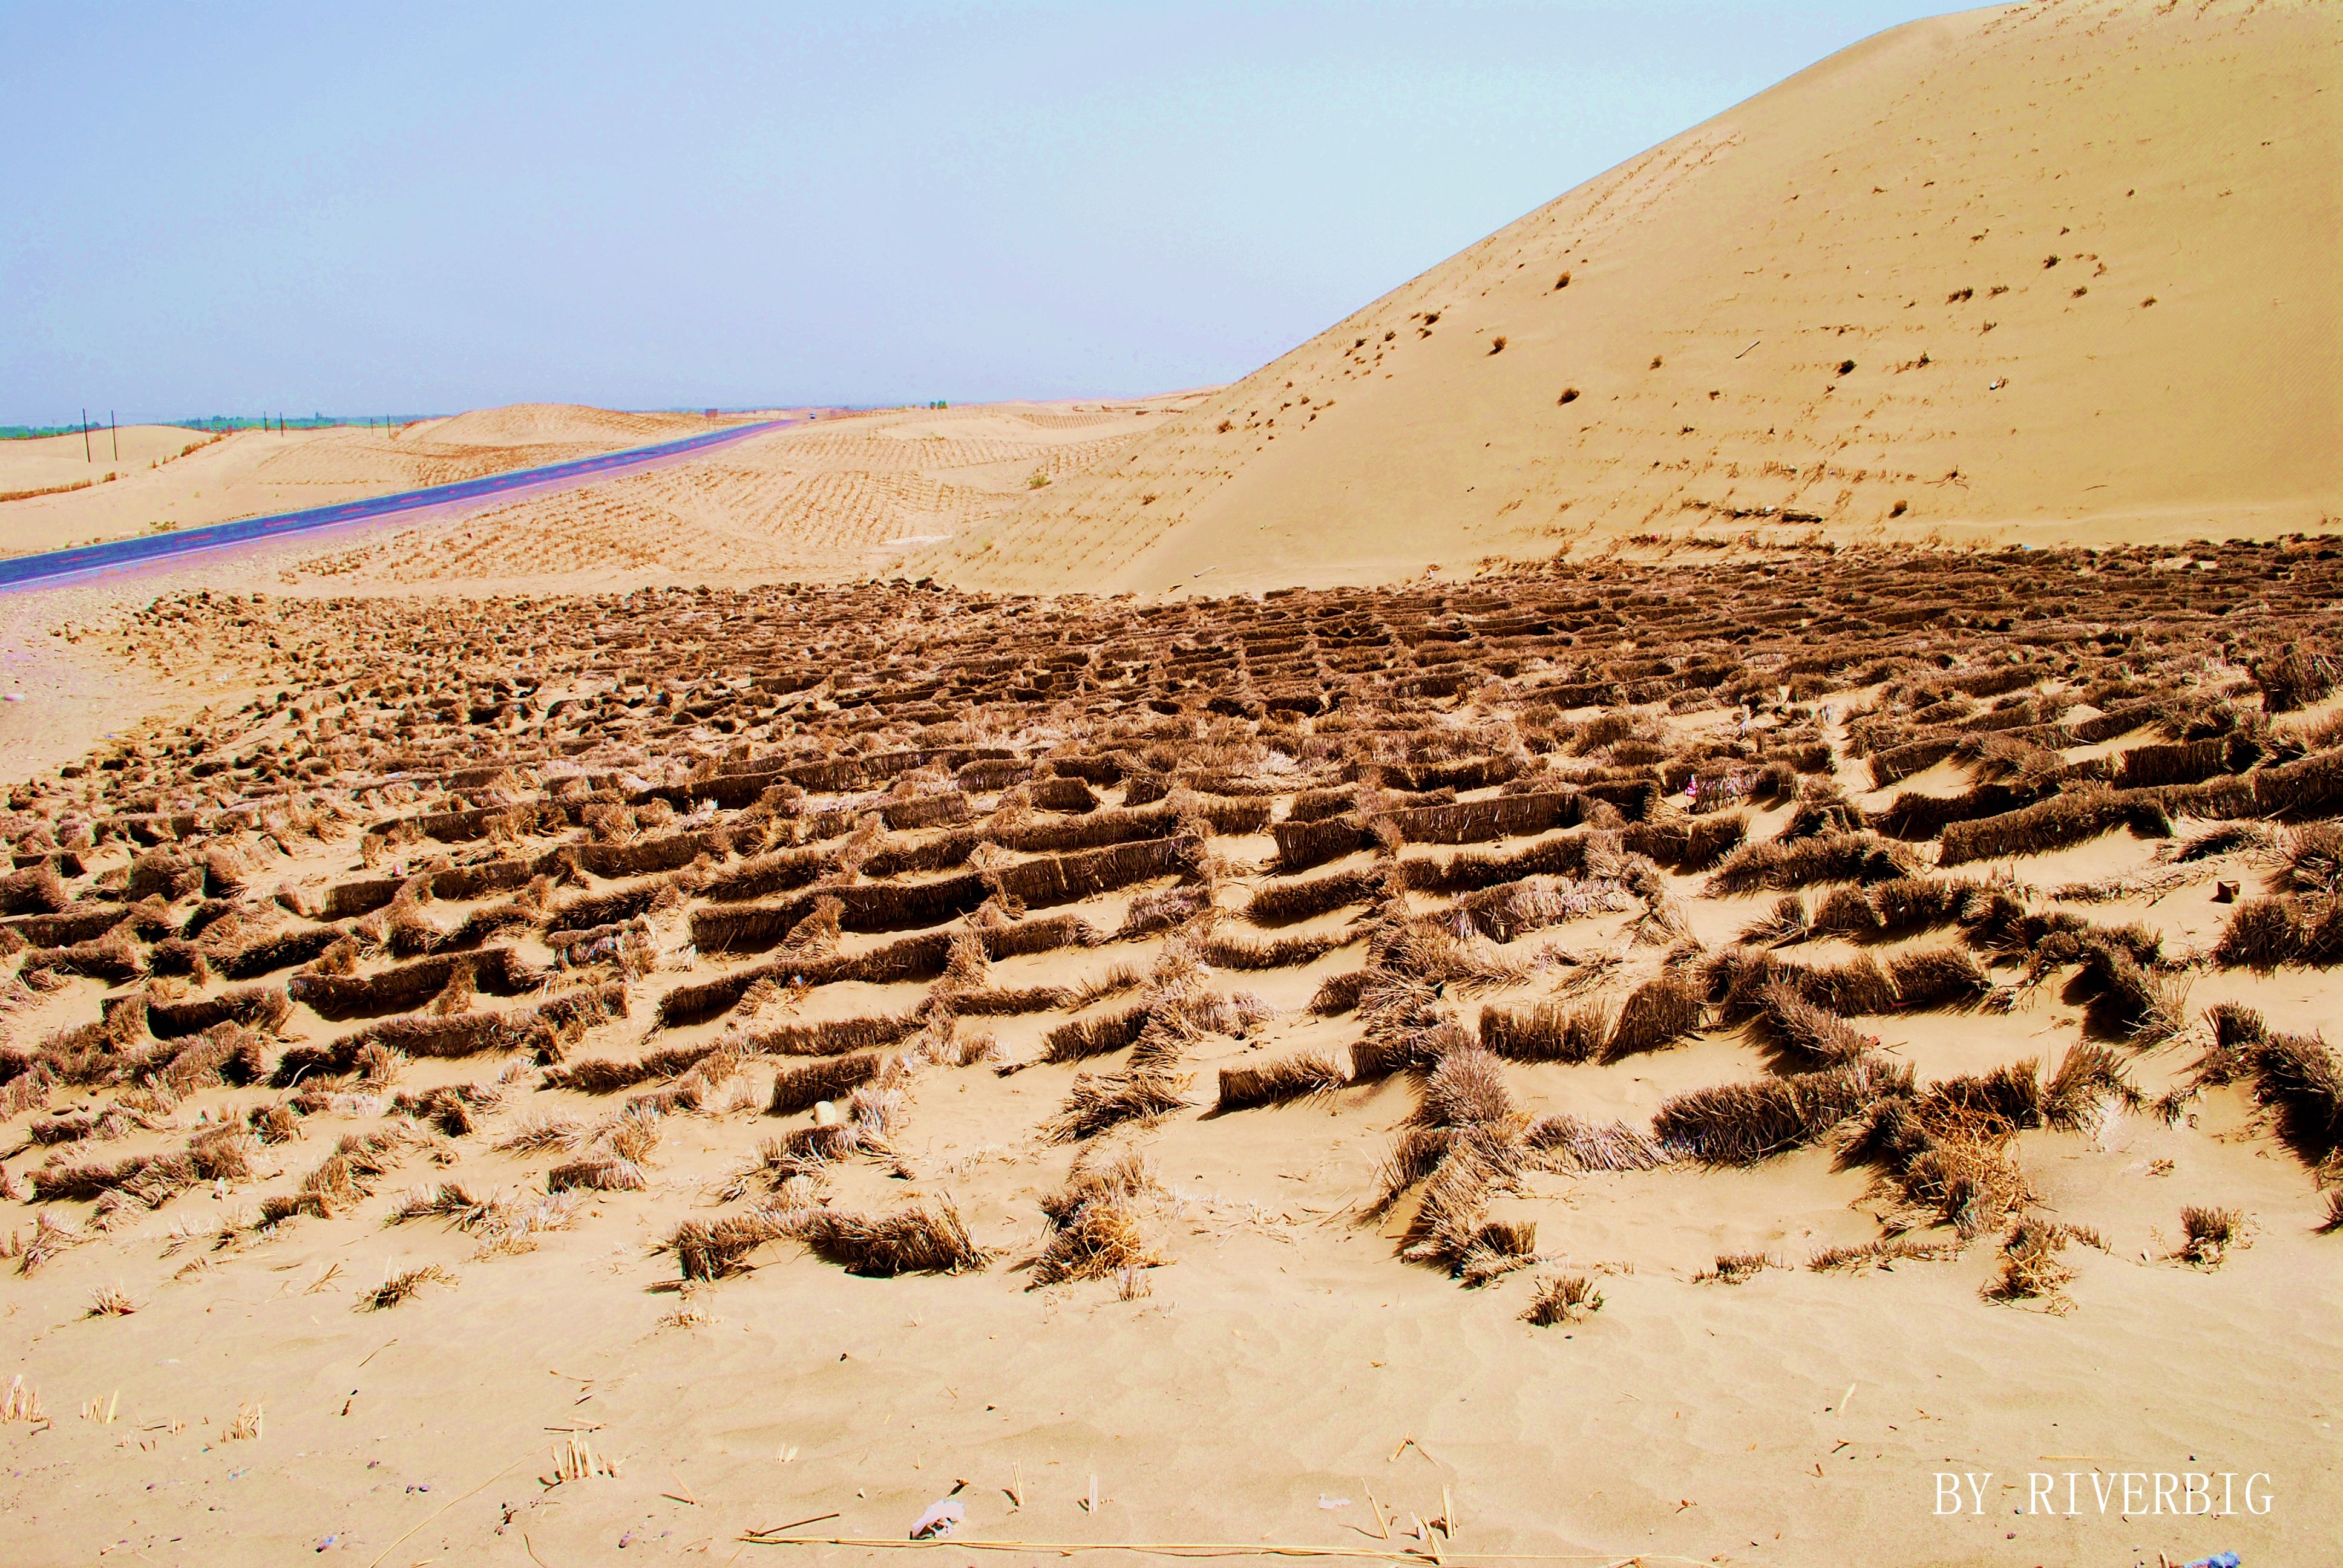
[2209,1235]
[2029,1263]
[1562,1299]
[1736,1269]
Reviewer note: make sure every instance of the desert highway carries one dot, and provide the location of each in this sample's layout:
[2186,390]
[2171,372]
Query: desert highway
[141,549]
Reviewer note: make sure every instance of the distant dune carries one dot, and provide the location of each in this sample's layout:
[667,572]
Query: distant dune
[55,462]
[559,424]
[843,498]
[254,473]
[2053,272]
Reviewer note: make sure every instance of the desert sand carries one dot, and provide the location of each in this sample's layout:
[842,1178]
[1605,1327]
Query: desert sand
[844,496]
[661,1018]
[714,993]
[171,478]
[2051,272]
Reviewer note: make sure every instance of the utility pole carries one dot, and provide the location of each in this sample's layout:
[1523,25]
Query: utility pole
[116,431]
[85,438]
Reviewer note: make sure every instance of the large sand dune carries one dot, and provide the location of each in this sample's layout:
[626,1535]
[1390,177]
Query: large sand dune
[2061,271]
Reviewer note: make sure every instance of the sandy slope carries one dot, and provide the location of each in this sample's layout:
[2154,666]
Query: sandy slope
[253,473]
[1975,211]
[843,498]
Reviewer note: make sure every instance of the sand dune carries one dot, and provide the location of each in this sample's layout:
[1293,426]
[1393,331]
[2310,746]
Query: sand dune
[844,497]
[558,425]
[2057,272]
[253,473]
[54,462]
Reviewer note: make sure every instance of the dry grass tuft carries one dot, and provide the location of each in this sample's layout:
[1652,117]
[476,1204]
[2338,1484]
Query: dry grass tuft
[1657,1013]
[2030,1268]
[1546,1032]
[397,1288]
[1564,1142]
[1467,1089]
[2210,1235]
[18,1402]
[1078,1039]
[2129,999]
[1780,865]
[1742,1123]
[1284,903]
[575,1461]
[796,1089]
[711,1248]
[51,1238]
[1095,1221]
[1451,1229]
[1937,977]
[1098,1101]
[2297,1079]
[1562,1299]
[451,1201]
[1288,1078]
[1430,951]
[1806,1029]
[2089,1076]
[537,1133]
[1339,994]
[597,1173]
[1736,1269]
[1463,1144]
[348,1175]
[2295,677]
[925,1236]
[110,1301]
[691,1310]
[1786,923]
[1965,1173]
[1884,1253]
[2266,933]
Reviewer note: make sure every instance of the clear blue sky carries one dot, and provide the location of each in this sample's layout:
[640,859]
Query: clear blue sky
[414,208]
